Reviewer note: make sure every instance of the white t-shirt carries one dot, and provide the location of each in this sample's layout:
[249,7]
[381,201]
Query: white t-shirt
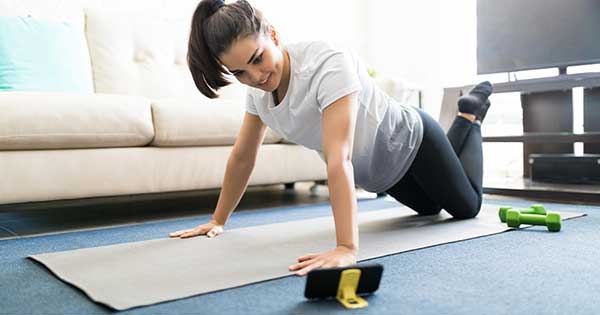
[387,133]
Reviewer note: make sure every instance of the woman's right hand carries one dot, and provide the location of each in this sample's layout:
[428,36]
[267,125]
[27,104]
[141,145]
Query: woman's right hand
[211,229]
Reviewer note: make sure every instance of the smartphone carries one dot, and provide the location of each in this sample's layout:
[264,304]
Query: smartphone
[323,283]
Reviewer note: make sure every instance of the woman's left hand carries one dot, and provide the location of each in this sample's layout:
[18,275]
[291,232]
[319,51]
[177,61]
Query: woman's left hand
[341,256]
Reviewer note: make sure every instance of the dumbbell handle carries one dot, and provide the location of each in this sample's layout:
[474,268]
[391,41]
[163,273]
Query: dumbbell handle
[532,219]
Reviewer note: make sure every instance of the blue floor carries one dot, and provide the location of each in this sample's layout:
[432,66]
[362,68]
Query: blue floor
[527,271]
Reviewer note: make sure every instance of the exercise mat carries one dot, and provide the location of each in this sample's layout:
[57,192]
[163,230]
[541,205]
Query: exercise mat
[128,275]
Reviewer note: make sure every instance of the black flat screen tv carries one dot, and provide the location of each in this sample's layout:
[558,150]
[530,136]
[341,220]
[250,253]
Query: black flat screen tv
[514,35]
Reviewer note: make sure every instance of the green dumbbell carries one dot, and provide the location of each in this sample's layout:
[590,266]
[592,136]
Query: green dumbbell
[538,209]
[534,209]
[551,220]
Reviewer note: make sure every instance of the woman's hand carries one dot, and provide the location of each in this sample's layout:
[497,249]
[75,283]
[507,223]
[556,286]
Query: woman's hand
[211,229]
[341,256]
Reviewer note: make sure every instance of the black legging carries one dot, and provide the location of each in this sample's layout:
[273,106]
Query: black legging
[447,171]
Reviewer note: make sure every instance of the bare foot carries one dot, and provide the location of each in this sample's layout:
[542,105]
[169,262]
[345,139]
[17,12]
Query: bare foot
[468,116]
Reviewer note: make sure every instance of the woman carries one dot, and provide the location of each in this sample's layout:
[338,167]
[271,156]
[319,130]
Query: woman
[322,98]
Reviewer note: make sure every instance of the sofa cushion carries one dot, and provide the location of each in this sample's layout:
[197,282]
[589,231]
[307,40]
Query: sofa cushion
[197,122]
[40,55]
[35,175]
[138,53]
[63,121]
[143,52]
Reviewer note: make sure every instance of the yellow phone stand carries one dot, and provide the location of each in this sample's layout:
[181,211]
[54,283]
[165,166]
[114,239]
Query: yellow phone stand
[346,293]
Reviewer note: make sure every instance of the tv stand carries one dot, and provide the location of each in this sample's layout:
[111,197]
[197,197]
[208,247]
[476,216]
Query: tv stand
[562,71]
[547,114]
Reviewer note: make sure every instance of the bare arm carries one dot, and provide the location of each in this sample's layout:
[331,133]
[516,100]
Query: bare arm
[239,166]
[338,137]
[237,173]
[339,121]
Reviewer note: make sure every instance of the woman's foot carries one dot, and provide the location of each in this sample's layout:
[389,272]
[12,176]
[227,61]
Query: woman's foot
[469,117]
[476,101]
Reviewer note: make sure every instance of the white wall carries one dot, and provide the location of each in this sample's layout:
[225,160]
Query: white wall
[428,43]
[338,21]
[402,38]
[404,41]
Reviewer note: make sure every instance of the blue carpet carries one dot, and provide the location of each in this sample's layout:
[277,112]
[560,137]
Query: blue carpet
[528,271]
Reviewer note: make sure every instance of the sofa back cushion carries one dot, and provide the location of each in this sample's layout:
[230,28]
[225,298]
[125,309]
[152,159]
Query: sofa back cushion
[143,52]
[43,55]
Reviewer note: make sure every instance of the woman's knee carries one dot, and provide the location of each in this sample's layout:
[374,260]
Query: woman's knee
[468,214]
[429,210]
[465,211]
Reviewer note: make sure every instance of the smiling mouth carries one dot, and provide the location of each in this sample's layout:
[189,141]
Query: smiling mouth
[265,81]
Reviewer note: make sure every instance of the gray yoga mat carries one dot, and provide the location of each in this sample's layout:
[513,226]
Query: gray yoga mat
[124,276]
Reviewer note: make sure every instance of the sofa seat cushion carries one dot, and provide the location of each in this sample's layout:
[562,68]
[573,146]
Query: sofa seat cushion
[31,121]
[198,122]
[36,175]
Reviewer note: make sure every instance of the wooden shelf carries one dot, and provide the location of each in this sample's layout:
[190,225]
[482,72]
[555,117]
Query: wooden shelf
[525,187]
[547,137]
[557,83]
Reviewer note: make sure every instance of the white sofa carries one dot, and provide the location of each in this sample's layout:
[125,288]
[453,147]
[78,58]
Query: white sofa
[146,129]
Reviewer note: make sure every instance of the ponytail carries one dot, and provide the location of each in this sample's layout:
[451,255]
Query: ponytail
[215,26]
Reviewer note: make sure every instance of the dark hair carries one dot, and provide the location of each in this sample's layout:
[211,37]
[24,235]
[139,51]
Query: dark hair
[215,26]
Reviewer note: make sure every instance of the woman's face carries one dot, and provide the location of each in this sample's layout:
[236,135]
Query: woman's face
[256,61]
